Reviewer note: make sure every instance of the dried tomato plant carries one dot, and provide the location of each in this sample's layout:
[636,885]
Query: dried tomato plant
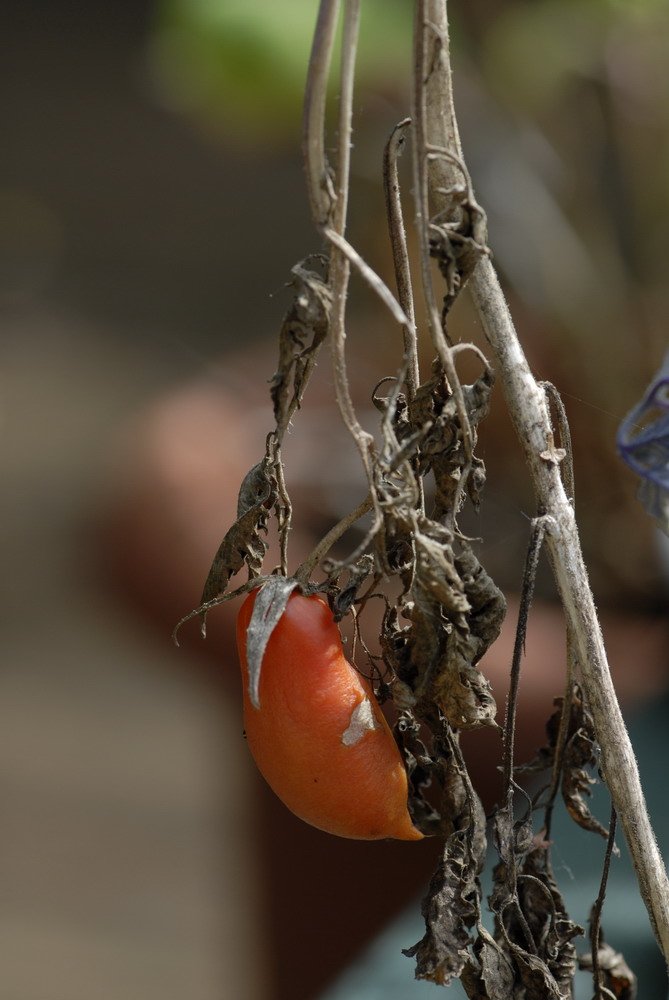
[442,610]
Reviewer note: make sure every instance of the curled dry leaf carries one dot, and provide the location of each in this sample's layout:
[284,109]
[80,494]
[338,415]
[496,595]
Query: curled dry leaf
[615,973]
[304,329]
[489,973]
[513,838]
[454,608]
[546,914]
[243,543]
[433,414]
[450,909]
[458,235]
[531,921]
[460,689]
[452,904]
[580,754]
[579,759]
[346,595]
[456,615]
[422,770]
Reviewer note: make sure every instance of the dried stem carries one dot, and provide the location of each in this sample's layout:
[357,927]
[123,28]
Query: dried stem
[369,275]
[529,576]
[563,732]
[398,243]
[527,405]
[434,176]
[529,412]
[596,916]
[319,181]
[567,465]
[304,571]
[329,201]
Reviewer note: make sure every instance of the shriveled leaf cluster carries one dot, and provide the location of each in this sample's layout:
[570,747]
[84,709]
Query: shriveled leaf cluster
[441,609]
[576,760]
[263,491]
[616,975]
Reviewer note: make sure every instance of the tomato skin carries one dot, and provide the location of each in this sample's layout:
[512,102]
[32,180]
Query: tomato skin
[339,778]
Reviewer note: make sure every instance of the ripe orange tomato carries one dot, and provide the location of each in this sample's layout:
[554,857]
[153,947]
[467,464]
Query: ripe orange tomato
[319,737]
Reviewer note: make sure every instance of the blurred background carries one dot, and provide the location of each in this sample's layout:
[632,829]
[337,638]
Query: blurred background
[151,207]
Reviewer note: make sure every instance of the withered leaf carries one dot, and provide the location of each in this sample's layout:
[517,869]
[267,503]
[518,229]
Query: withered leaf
[435,572]
[346,596]
[531,904]
[421,769]
[616,974]
[434,411]
[496,969]
[242,543]
[458,238]
[304,329]
[487,602]
[580,754]
[546,914]
[489,974]
[513,837]
[460,689]
[456,614]
[536,979]
[450,909]
[466,699]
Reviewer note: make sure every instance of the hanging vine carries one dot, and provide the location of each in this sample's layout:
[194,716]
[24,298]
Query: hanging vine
[442,609]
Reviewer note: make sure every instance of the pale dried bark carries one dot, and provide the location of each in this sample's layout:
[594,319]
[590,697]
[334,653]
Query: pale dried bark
[528,408]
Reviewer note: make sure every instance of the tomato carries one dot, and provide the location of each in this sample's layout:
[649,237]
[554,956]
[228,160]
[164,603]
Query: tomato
[319,737]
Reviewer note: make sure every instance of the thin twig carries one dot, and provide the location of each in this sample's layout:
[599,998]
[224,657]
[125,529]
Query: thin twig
[563,733]
[369,275]
[330,216]
[529,575]
[433,127]
[229,595]
[596,917]
[339,270]
[306,568]
[284,510]
[349,46]
[319,181]
[398,243]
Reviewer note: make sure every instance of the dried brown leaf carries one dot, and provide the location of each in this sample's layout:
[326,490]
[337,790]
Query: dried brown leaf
[489,974]
[459,688]
[546,914]
[422,770]
[616,974]
[243,544]
[580,754]
[450,909]
[303,330]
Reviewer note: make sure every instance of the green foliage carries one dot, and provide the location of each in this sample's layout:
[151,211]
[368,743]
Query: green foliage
[240,65]
[532,51]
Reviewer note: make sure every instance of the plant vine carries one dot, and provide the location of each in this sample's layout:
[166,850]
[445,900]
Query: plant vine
[445,611]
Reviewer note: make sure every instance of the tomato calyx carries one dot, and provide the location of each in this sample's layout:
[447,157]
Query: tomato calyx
[268,608]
